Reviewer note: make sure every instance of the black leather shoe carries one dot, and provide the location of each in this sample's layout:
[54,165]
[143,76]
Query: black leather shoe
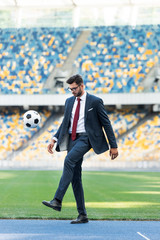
[80,219]
[53,204]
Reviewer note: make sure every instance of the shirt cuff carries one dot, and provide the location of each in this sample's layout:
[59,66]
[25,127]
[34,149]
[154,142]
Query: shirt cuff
[54,138]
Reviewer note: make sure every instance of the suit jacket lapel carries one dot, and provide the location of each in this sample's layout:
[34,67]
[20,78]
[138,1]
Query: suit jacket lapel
[88,101]
[70,106]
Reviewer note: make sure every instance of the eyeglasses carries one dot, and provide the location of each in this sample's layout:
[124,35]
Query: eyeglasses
[73,89]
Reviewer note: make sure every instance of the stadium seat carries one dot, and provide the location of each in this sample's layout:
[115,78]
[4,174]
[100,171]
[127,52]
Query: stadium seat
[121,54]
[29,55]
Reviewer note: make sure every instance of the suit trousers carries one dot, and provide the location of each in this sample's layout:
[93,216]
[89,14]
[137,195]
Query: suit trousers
[72,171]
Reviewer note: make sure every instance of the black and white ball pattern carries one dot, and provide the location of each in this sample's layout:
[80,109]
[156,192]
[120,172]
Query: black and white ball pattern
[31,119]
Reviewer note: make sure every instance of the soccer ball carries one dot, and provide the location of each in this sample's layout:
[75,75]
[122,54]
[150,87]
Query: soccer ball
[31,119]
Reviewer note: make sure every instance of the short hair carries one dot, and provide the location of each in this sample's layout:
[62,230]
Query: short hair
[75,78]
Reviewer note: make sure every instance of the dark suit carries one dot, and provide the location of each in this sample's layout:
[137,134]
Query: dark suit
[96,123]
[95,118]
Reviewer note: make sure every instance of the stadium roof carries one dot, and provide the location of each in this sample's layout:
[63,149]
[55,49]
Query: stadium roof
[74,3]
[75,13]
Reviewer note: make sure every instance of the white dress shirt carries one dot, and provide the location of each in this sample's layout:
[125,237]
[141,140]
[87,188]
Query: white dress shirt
[80,124]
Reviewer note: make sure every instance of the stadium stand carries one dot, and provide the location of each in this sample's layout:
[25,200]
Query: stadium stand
[139,148]
[125,119]
[13,134]
[143,143]
[116,59]
[27,57]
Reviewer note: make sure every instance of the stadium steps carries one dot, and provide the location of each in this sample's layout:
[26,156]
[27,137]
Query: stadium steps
[62,73]
[149,79]
[147,117]
[48,123]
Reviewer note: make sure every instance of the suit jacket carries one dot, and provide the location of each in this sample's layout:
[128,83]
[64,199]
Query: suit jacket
[97,124]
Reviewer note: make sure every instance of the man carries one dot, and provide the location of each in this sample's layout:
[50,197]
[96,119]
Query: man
[83,126]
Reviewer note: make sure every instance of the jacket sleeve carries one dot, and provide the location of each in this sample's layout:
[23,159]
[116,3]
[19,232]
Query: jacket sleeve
[56,135]
[106,124]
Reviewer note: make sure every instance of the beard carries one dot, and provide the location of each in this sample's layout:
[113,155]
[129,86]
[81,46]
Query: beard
[78,94]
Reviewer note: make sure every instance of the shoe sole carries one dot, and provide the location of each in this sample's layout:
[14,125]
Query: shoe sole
[79,222]
[49,205]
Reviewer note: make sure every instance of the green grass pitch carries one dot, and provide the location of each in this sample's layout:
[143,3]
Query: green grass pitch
[108,195]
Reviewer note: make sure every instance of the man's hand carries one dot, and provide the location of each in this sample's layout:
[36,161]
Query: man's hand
[50,146]
[113,153]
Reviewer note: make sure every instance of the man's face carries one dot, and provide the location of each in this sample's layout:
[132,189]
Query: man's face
[77,90]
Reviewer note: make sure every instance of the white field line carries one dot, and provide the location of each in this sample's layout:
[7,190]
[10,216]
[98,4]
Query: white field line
[143,236]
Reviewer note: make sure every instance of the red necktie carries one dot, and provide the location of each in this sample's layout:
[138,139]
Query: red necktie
[75,120]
